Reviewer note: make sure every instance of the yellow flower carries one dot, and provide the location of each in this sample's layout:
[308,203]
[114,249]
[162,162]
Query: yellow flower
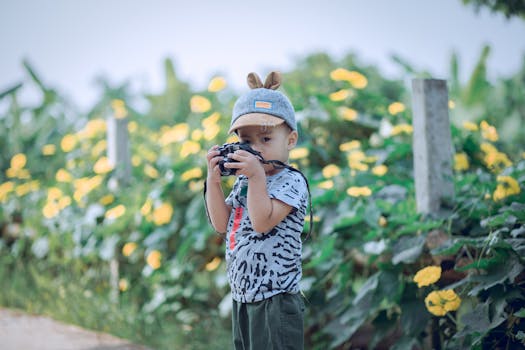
[211,132]
[107,199]
[151,171]
[123,284]
[115,212]
[461,162]
[196,135]
[451,104]
[49,150]
[18,161]
[356,79]
[64,202]
[93,128]
[331,170]
[177,133]
[396,108]
[401,128]
[214,264]
[5,189]
[507,186]
[427,276]
[50,210]
[119,109]
[495,160]
[153,259]
[63,175]
[136,160]
[68,143]
[356,159]
[216,84]
[196,186]
[326,185]
[133,126]
[440,302]
[25,188]
[470,126]
[162,215]
[102,166]
[340,74]
[146,207]
[210,126]
[99,147]
[488,132]
[232,138]
[340,95]
[299,153]
[54,193]
[19,173]
[211,120]
[129,248]
[382,221]
[380,170]
[347,113]
[199,104]
[194,173]
[189,147]
[356,191]
[348,146]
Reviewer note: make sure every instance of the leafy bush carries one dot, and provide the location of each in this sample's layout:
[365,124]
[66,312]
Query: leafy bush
[146,241]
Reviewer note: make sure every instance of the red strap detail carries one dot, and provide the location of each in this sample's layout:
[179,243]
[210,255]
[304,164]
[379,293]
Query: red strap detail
[236,223]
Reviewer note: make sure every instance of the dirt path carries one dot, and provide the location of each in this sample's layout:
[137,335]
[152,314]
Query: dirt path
[20,331]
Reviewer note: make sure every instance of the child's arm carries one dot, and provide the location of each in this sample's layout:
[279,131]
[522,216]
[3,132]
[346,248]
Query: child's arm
[218,211]
[265,213]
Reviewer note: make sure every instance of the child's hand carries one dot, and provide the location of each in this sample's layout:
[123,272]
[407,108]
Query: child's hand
[214,172]
[247,164]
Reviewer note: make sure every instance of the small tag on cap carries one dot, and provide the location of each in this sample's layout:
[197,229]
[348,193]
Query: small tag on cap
[263,104]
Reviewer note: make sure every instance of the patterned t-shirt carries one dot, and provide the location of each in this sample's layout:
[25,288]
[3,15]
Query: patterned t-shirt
[261,265]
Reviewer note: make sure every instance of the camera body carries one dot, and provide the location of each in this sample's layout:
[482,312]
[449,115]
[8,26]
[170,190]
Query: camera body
[228,148]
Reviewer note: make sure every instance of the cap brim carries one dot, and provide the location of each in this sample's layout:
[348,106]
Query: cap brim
[254,119]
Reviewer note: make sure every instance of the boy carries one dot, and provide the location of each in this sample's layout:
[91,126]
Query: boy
[263,218]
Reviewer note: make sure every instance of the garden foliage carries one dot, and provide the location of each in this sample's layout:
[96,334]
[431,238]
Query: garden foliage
[376,272]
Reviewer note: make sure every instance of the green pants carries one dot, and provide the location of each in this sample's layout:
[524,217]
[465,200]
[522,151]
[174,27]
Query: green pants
[272,324]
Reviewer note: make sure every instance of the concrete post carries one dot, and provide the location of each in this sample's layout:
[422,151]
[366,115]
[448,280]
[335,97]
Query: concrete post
[432,145]
[118,148]
[119,156]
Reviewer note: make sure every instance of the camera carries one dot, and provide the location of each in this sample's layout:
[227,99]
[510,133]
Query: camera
[228,148]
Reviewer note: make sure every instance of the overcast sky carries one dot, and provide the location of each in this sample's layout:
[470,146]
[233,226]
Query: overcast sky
[71,42]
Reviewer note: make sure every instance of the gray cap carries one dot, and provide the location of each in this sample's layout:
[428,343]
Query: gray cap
[263,105]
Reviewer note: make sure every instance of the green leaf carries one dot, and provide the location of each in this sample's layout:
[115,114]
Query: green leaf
[414,317]
[366,290]
[326,251]
[452,246]
[520,313]
[407,249]
[415,227]
[485,263]
[508,271]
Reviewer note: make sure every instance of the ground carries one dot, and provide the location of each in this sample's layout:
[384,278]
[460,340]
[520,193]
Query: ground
[19,331]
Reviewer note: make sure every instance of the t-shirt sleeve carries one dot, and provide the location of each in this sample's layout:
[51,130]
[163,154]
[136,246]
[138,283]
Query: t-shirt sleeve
[229,200]
[290,189]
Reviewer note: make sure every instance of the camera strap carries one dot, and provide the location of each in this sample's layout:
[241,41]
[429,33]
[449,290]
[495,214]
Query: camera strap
[277,165]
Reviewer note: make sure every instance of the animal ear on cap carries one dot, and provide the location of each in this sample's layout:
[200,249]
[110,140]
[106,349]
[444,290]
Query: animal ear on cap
[254,82]
[273,81]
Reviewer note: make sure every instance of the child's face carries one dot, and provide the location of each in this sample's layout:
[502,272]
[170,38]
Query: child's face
[274,143]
